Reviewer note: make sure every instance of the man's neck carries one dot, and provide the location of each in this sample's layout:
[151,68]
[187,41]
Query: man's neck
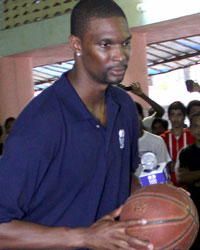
[88,90]
[177,131]
[92,95]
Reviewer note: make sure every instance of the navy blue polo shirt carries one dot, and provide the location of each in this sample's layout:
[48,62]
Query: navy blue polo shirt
[60,166]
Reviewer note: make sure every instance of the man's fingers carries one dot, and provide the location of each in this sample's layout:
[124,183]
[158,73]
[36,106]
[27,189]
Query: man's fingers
[114,214]
[136,242]
[182,189]
[130,223]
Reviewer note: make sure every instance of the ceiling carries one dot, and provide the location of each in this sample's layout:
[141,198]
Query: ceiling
[45,75]
[171,55]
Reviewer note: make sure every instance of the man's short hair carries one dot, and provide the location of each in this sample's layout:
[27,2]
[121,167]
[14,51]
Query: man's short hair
[8,120]
[192,104]
[162,121]
[177,105]
[193,116]
[85,10]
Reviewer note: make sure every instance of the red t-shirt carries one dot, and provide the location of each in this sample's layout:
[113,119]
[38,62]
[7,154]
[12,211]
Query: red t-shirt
[174,145]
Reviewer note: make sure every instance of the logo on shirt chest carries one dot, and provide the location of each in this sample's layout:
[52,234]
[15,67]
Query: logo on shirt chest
[121,138]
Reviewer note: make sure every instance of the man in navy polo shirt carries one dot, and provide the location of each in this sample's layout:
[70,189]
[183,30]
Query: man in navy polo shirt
[66,165]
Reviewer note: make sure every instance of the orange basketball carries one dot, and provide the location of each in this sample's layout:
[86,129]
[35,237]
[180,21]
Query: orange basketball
[172,217]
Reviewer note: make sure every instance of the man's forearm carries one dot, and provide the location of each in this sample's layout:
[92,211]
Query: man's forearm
[25,235]
[189,177]
[156,107]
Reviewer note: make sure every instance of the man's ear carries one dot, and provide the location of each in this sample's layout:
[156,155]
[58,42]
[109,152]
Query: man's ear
[75,44]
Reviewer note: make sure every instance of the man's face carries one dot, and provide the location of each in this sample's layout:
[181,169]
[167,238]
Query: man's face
[158,128]
[193,110]
[195,127]
[106,49]
[176,118]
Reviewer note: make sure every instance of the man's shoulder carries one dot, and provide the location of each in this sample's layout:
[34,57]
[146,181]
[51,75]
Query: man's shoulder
[187,149]
[119,94]
[189,135]
[153,138]
[187,131]
[166,133]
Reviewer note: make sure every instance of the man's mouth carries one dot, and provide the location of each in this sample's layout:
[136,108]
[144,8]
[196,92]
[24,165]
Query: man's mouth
[118,71]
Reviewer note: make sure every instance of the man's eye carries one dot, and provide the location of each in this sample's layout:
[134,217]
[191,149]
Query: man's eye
[127,43]
[104,45]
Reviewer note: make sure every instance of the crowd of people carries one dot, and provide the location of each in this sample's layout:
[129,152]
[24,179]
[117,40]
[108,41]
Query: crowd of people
[181,150]
[68,164]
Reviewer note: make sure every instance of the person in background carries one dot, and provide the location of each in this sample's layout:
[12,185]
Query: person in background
[156,111]
[192,107]
[66,168]
[149,142]
[188,166]
[192,86]
[177,137]
[9,122]
[196,87]
[159,126]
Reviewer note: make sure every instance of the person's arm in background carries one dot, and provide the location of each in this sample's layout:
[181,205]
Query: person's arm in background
[185,176]
[137,90]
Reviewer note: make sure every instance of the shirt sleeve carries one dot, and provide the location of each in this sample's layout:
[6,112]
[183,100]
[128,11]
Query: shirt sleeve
[162,155]
[147,121]
[22,167]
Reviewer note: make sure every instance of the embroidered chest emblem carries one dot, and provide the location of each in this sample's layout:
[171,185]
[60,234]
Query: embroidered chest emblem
[121,138]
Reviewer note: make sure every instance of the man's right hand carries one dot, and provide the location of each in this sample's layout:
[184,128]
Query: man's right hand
[196,87]
[136,89]
[109,234]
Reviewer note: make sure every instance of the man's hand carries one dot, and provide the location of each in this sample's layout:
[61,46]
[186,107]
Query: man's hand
[136,89]
[109,234]
[196,87]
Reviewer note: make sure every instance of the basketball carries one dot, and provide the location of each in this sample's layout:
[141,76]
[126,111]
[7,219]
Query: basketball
[172,218]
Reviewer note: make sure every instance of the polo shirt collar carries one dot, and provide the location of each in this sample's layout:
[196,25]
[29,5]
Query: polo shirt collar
[68,95]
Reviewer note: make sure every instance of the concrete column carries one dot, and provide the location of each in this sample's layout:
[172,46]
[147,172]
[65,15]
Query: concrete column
[137,68]
[16,85]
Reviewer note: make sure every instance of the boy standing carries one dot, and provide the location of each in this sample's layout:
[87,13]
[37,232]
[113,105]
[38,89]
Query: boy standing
[177,137]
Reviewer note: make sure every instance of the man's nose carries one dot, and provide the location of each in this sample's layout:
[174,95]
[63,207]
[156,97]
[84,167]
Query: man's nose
[120,53]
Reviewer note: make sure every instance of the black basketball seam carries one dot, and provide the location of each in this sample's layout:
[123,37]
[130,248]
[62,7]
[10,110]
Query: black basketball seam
[196,214]
[196,223]
[160,196]
[191,240]
[168,221]
[171,244]
[194,220]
